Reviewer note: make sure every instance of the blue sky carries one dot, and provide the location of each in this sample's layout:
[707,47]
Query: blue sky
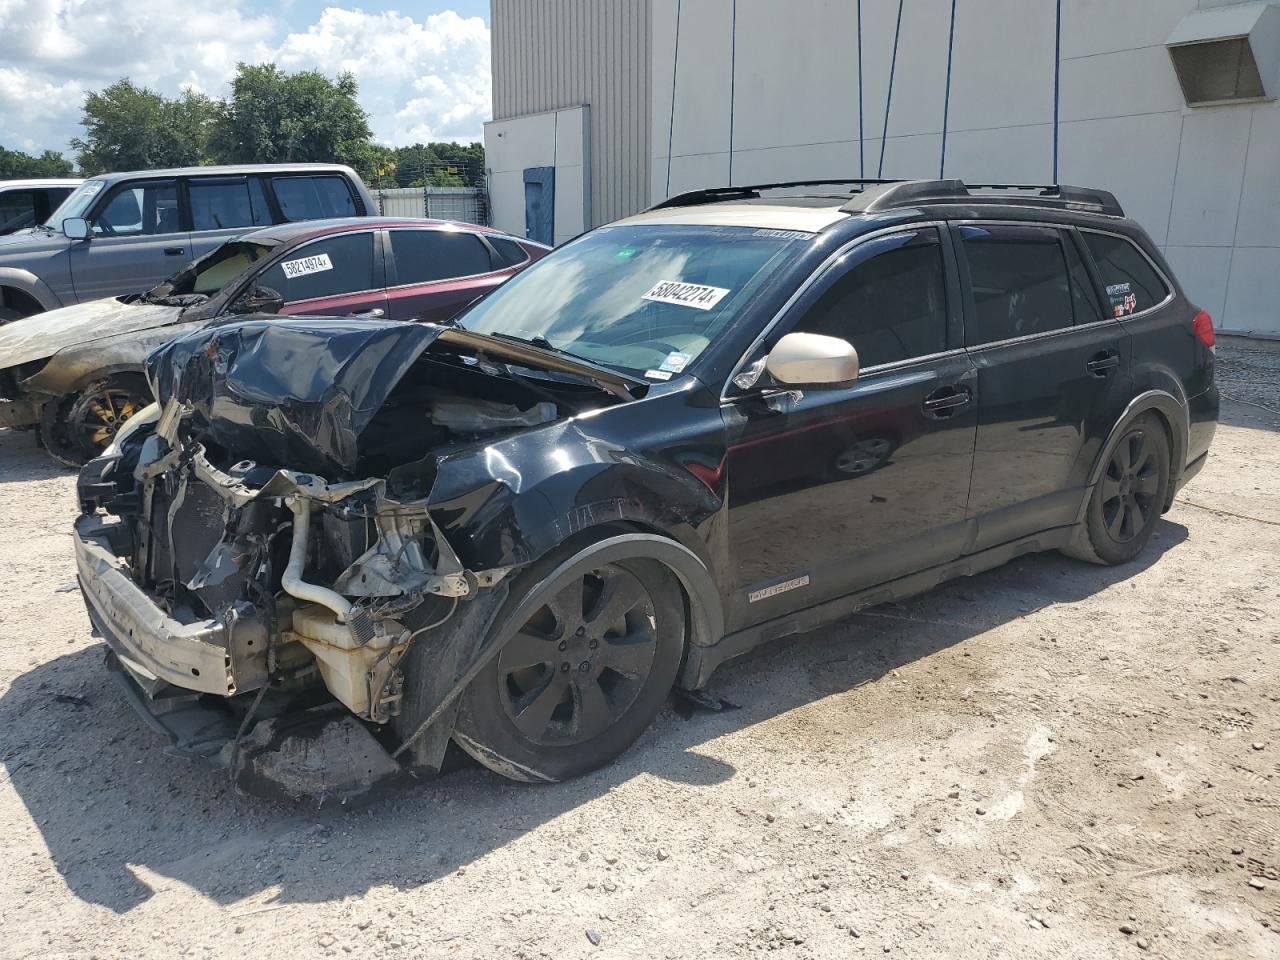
[423,68]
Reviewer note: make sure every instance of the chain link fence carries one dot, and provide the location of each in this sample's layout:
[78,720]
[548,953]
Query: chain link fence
[430,187]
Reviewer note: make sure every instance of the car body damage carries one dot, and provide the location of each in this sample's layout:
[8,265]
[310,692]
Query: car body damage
[316,496]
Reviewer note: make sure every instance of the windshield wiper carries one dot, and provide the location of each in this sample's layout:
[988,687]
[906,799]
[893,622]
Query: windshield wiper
[537,340]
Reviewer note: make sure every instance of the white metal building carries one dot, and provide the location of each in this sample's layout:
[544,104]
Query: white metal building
[602,107]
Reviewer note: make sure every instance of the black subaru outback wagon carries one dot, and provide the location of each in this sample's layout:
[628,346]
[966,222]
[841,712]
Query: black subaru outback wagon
[736,416]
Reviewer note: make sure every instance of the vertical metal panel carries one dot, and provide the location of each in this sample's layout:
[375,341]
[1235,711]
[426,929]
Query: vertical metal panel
[549,54]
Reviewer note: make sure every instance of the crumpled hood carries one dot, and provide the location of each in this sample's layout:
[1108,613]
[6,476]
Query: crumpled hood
[43,335]
[294,392]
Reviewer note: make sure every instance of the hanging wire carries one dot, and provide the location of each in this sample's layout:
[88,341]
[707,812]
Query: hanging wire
[1057,85]
[675,63]
[946,102]
[733,76]
[888,102]
[862,168]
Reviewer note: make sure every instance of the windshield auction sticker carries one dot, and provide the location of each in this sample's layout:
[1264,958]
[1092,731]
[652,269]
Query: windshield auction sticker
[300,268]
[686,294]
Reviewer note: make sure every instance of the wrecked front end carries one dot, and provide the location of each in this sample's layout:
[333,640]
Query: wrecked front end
[262,557]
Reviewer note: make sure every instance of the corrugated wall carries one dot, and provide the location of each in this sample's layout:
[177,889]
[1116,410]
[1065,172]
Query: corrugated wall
[549,54]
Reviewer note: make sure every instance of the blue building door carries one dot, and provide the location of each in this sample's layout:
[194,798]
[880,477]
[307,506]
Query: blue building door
[540,204]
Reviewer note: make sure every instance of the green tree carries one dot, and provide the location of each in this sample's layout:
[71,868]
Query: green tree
[128,127]
[278,117]
[16,165]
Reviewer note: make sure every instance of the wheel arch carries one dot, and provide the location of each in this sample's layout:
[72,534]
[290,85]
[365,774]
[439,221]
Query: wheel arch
[1173,416]
[25,284]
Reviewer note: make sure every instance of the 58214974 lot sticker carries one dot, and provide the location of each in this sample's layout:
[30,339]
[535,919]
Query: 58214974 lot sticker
[300,268]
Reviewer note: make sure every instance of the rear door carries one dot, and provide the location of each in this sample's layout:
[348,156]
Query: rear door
[138,239]
[338,275]
[832,491]
[223,208]
[433,274]
[1053,373]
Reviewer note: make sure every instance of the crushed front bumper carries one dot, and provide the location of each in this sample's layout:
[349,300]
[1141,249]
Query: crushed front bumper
[222,657]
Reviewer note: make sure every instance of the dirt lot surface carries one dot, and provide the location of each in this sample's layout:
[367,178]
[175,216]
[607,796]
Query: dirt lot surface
[1049,760]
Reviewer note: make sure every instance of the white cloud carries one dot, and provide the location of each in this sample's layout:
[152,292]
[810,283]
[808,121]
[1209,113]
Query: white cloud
[419,79]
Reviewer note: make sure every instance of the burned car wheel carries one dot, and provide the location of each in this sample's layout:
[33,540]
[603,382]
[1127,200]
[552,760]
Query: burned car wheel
[583,676]
[77,428]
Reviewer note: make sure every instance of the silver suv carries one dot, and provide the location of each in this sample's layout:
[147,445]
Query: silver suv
[122,233]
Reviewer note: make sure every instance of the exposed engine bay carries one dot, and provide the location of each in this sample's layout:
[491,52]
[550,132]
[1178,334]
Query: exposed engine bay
[272,529]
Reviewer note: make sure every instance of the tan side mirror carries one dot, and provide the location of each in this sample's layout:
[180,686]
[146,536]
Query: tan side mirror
[813,361]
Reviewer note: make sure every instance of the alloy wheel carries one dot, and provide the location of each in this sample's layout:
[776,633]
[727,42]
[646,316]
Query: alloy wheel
[581,659]
[1129,487]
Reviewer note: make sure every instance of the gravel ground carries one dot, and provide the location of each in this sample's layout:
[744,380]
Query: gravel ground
[1048,760]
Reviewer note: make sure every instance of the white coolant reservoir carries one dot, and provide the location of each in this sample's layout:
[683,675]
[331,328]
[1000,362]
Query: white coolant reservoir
[344,666]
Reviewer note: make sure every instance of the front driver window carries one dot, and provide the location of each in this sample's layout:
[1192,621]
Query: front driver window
[327,268]
[147,208]
[891,301]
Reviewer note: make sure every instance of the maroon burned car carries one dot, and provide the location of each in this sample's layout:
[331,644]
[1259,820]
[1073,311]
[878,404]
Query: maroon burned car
[76,372]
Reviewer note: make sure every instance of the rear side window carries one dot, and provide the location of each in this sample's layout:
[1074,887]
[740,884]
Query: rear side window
[426,255]
[891,304]
[1018,277]
[219,204]
[509,253]
[327,268]
[1132,283]
[314,198]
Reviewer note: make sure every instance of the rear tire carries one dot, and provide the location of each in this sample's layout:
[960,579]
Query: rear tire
[583,676]
[76,428]
[1127,500]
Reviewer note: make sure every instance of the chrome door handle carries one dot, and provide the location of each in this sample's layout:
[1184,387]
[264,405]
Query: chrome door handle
[941,402]
[375,314]
[1102,363]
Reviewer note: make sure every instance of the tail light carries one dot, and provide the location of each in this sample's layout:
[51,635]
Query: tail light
[1202,327]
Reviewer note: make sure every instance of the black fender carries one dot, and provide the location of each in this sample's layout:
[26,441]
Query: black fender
[1173,411]
[706,623]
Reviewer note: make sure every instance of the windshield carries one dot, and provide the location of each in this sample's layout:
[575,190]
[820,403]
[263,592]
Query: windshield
[213,271]
[644,299]
[77,204]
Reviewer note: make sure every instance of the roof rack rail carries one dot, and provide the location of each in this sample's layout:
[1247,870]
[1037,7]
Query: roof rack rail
[752,191]
[910,193]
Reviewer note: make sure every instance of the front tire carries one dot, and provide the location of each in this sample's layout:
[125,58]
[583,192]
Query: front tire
[583,676]
[1128,498]
[76,428]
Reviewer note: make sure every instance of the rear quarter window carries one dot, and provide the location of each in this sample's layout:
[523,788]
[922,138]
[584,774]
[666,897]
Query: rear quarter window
[314,198]
[509,252]
[1132,283]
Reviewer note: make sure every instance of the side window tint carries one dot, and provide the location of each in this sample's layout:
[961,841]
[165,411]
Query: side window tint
[891,304]
[17,210]
[1132,284]
[509,252]
[139,210]
[1083,297]
[327,268]
[219,204]
[1019,280]
[258,199]
[314,198]
[426,255]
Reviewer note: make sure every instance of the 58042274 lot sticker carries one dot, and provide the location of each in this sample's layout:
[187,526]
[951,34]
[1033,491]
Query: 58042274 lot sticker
[696,295]
[300,268]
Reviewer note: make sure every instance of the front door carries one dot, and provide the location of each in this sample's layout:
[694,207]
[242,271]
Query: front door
[340,275]
[137,241]
[1053,371]
[832,491]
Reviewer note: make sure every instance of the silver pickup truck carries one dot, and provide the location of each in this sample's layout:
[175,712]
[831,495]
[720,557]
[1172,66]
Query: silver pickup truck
[122,233]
